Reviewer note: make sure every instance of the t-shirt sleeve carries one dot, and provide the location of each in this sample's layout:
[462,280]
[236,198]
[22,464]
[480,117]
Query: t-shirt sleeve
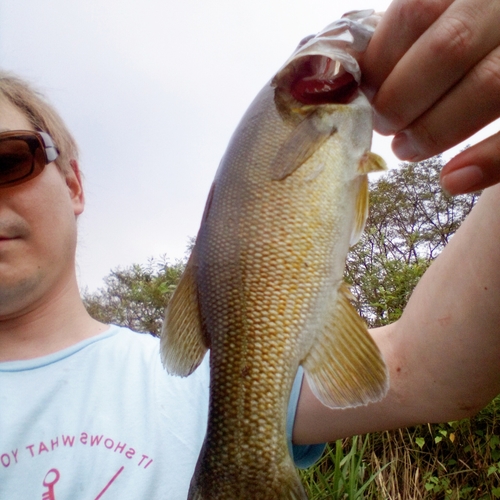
[303,455]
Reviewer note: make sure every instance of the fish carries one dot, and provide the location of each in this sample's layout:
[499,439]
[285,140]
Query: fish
[263,288]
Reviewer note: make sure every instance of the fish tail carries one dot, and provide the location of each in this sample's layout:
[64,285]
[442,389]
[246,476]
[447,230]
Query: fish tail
[285,485]
[293,490]
[289,485]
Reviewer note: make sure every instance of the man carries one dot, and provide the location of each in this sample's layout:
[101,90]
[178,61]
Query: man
[86,409]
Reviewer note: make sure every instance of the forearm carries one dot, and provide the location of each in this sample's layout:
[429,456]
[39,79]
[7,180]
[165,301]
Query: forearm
[444,353]
[450,330]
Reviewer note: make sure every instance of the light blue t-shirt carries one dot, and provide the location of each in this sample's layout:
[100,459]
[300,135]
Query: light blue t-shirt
[103,420]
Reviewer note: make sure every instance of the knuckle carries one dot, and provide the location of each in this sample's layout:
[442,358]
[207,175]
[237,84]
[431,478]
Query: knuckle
[488,73]
[420,12]
[453,39]
[495,145]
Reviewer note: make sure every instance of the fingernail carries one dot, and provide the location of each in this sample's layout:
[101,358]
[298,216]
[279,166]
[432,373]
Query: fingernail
[404,148]
[462,180]
[381,125]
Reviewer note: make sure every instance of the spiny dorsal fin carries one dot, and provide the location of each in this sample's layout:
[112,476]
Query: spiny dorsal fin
[344,367]
[183,344]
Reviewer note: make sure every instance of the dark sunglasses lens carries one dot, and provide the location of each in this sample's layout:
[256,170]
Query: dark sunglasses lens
[17,161]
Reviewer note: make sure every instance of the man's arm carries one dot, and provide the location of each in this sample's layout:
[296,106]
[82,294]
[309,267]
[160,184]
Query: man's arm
[443,354]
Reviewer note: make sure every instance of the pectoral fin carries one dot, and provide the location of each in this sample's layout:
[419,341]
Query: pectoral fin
[183,343]
[371,162]
[361,209]
[307,137]
[344,367]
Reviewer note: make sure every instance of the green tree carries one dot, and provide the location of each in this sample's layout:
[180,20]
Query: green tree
[411,220]
[136,296]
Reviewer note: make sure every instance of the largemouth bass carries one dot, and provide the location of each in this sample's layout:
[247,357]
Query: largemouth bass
[263,286]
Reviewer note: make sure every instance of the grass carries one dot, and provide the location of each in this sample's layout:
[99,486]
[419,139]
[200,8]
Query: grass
[455,460]
[341,472]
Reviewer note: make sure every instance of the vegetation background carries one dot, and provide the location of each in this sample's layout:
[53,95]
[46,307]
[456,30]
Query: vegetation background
[410,222]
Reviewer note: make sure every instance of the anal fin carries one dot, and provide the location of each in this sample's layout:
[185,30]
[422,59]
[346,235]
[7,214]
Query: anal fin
[344,367]
[183,343]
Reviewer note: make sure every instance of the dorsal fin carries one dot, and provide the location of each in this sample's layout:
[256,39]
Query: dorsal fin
[183,343]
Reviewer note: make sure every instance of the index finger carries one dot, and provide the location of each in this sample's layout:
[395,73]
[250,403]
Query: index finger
[401,25]
[459,38]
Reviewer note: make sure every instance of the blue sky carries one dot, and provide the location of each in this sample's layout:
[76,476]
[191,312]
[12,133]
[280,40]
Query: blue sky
[152,91]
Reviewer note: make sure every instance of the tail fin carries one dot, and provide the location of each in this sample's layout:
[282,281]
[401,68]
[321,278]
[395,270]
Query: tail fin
[284,485]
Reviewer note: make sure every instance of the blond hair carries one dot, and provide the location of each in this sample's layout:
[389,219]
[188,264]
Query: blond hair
[42,116]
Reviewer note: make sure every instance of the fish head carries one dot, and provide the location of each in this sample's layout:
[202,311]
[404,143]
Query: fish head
[324,67]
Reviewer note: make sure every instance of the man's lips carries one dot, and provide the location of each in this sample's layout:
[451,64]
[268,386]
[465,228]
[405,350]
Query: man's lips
[13,230]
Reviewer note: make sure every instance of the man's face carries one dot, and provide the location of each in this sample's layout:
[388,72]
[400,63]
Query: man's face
[37,232]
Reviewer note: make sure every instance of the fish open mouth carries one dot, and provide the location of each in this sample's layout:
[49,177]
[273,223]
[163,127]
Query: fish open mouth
[324,68]
[321,80]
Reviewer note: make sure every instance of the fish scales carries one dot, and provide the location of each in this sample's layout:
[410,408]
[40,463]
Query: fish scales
[263,290]
[247,318]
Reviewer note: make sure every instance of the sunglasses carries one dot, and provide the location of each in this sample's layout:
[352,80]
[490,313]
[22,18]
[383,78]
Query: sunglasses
[23,155]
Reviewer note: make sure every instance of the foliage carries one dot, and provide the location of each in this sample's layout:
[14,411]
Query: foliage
[136,296]
[449,461]
[411,219]
[410,222]
[342,472]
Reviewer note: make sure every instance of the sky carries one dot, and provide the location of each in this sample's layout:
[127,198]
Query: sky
[152,91]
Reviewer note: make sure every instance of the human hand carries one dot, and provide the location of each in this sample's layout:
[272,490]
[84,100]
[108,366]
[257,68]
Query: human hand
[433,69]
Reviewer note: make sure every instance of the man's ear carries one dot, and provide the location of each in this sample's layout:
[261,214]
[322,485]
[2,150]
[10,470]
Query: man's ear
[75,186]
